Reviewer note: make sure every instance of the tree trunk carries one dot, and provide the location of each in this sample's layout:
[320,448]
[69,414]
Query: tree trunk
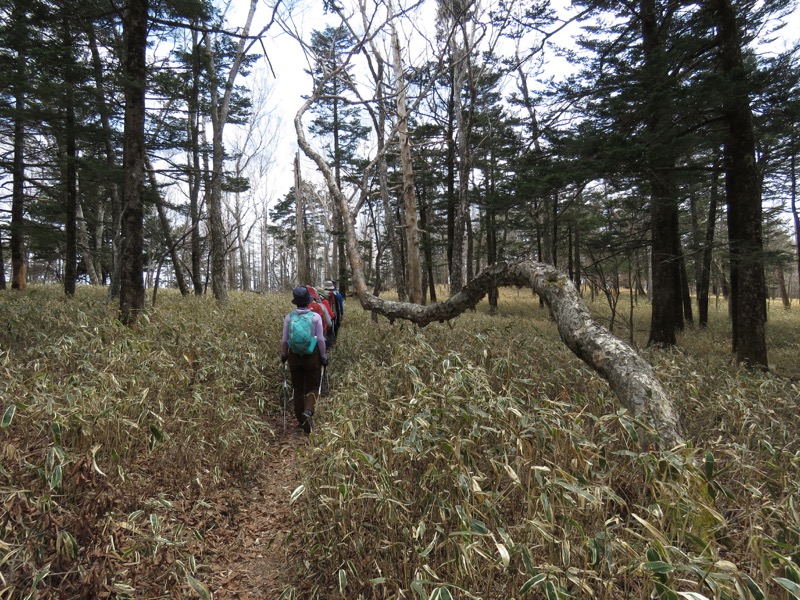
[630,376]
[83,243]
[244,260]
[666,316]
[303,276]
[216,229]
[743,194]
[19,279]
[578,271]
[554,231]
[70,167]
[708,247]
[427,245]
[795,211]
[220,106]
[787,303]
[460,58]
[2,266]
[491,254]
[470,259]
[392,239]
[685,294]
[570,258]
[166,230]
[194,179]
[451,171]
[131,299]
[697,243]
[414,268]
[111,164]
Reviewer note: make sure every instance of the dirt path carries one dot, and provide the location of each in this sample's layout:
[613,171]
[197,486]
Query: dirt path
[255,548]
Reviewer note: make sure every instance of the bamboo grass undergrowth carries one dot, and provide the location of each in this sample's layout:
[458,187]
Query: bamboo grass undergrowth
[475,459]
[112,436]
[480,459]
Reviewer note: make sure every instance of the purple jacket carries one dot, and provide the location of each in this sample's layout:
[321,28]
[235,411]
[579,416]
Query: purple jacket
[316,321]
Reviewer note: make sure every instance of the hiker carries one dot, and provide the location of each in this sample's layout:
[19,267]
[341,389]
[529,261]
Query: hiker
[336,302]
[330,336]
[323,312]
[303,347]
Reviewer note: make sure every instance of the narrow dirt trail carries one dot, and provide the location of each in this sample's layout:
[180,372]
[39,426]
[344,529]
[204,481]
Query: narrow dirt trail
[255,550]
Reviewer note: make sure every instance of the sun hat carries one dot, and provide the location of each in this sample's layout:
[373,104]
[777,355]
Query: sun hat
[328,285]
[300,296]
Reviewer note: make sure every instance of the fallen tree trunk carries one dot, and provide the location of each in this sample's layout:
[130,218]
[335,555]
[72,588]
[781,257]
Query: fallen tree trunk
[629,375]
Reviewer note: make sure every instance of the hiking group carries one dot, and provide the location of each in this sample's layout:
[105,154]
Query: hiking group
[309,332]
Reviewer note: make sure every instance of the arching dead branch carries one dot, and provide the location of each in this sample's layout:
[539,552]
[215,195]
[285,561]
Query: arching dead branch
[629,375]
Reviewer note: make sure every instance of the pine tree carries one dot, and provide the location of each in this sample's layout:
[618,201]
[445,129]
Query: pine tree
[337,119]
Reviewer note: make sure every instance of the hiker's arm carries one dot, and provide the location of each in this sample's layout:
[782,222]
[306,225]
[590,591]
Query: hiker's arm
[325,314]
[285,337]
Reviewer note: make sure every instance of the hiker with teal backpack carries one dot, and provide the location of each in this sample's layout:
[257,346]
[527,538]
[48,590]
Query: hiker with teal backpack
[303,347]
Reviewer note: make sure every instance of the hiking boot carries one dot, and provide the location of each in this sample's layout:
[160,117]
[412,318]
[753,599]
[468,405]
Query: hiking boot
[308,421]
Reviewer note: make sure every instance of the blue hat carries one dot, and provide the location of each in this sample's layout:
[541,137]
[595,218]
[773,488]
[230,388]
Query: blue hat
[300,296]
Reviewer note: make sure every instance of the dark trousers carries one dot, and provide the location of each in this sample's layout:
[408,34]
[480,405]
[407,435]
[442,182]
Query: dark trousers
[330,337]
[305,372]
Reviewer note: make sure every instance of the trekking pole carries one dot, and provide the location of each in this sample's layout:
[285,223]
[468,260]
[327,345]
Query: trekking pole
[321,377]
[285,396]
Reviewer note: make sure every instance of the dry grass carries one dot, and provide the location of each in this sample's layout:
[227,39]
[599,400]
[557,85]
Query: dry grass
[477,459]
[480,459]
[110,436]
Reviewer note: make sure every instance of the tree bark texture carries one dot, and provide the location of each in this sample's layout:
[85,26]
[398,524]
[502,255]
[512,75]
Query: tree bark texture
[451,171]
[787,303]
[131,299]
[216,228]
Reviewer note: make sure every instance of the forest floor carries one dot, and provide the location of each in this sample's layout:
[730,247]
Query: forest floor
[255,551]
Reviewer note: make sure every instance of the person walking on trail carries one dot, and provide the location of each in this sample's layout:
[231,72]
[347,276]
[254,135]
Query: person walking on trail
[322,311]
[303,347]
[330,336]
[337,304]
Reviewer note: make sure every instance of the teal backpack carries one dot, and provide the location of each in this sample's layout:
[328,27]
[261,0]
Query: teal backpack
[301,337]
